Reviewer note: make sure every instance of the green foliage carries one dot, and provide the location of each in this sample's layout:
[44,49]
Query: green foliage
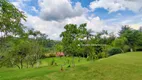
[10,19]
[59,47]
[92,57]
[23,51]
[69,39]
[114,51]
[102,55]
[126,48]
[51,55]
[97,56]
[75,39]
[120,42]
[132,36]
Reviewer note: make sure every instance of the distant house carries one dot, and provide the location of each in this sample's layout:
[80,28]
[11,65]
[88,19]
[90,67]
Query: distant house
[60,54]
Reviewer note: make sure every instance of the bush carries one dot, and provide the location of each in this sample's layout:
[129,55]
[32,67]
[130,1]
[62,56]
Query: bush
[92,57]
[102,55]
[114,51]
[126,48]
[43,56]
[50,55]
[139,48]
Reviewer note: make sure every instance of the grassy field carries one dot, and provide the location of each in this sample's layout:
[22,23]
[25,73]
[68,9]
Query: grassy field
[126,66]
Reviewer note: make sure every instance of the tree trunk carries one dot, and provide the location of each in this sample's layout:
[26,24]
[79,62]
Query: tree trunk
[17,66]
[73,61]
[21,63]
[32,64]
[27,65]
[122,50]
[38,63]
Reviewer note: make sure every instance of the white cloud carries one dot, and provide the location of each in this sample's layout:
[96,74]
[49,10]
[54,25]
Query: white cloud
[34,9]
[51,28]
[136,26]
[58,13]
[17,5]
[59,9]
[67,14]
[115,5]
[54,28]
[134,21]
[20,4]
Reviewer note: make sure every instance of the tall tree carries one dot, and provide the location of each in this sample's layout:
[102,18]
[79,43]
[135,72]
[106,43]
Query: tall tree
[10,18]
[131,35]
[68,38]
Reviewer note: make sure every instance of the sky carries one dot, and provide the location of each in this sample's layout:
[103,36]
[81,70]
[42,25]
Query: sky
[50,16]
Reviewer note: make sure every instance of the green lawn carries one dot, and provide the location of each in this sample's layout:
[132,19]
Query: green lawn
[126,66]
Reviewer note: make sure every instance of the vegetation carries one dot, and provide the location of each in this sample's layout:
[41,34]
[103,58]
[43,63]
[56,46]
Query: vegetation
[123,66]
[114,51]
[77,56]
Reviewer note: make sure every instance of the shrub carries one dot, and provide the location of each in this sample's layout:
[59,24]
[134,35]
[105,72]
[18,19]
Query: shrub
[50,55]
[126,48]
[92,57]
[139,48]
[102,55]
[114,51]
[43,56]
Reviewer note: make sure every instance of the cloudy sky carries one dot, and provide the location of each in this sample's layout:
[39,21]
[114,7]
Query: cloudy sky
[50,16]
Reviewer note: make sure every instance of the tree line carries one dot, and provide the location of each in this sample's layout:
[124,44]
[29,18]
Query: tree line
[79,41]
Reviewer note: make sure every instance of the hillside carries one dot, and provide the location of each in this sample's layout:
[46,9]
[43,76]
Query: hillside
[126,66]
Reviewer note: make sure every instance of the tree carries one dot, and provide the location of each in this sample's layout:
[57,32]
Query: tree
[10,22]
[68,38]
[17,48]
[59,47]
[124,29]
[71,38]
[20,52]
[10,19]
[120,43]
[131,35]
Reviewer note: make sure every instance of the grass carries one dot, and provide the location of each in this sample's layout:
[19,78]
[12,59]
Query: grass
[45,68]
[126,66]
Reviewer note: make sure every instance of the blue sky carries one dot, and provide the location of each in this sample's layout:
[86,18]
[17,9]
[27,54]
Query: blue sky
[101,12]
[50,16]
